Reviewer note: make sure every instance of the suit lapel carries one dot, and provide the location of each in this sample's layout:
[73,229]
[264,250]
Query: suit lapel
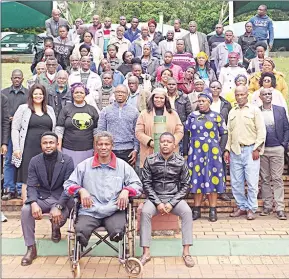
[200,40]
[42,171]
[57,168]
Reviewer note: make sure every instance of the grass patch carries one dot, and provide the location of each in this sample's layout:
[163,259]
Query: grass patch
[7,68]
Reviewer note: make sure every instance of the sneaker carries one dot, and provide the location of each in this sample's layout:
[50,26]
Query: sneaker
[8,196]
[266,212]
[3,218]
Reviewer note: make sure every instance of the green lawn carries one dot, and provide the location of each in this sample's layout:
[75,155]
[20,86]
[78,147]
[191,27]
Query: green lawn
[7,68]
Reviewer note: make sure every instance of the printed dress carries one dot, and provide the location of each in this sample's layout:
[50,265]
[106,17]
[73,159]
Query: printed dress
[205,155]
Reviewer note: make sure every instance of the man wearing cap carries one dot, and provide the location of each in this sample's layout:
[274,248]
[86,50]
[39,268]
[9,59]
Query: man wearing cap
[243,152]
[223,50]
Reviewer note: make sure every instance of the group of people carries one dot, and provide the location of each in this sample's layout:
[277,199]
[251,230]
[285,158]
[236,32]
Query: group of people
[105,105]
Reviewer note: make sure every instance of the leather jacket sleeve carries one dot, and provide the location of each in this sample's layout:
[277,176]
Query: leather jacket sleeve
[147,184]
[184,186]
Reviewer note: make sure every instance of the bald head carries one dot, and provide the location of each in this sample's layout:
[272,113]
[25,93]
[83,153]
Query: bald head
[49,52]
[241,95]
[121,94]
[55,14]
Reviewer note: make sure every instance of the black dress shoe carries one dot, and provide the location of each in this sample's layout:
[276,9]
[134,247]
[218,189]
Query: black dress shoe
[266,212]
[30,255]
[281,215]
[224,197]
[55,235]
[196,212]
[213,214]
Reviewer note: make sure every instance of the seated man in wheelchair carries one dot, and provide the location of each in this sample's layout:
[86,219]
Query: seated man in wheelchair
[166,182]
[104,184]
[46,175]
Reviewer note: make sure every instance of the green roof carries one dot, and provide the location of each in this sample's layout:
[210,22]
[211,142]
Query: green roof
[24,14]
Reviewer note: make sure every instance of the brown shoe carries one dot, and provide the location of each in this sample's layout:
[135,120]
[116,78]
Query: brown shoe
[30,255]
[238,213]
[189,262]
[250,215]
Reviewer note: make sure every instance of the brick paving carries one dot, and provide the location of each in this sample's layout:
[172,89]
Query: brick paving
[170,267]
[225,228]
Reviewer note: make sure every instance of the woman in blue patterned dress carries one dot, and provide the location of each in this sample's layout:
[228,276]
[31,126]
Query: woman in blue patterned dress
[207,136]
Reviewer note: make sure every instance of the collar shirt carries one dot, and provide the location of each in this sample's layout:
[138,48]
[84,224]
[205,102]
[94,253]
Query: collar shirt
[216,106]
[245,127]
[195,43]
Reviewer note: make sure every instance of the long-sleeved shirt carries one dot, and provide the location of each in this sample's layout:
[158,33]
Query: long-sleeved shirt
[104,182]
[262,25]
[121,123]
[246,127]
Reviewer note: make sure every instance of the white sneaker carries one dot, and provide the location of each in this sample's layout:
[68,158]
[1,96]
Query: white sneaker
[3,217]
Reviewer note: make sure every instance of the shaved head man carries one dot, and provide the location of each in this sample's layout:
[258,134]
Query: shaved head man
[54,22]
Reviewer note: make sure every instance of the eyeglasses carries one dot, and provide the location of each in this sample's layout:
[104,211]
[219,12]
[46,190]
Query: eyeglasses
[267,94]
[267,80]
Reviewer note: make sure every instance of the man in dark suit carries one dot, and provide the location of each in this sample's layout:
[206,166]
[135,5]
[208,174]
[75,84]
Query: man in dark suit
[195,41]
[272,161]
[53,23]
[46,175]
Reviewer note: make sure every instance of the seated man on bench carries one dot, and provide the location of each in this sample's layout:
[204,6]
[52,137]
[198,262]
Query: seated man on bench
[166,181]
[46,175]
[104,184]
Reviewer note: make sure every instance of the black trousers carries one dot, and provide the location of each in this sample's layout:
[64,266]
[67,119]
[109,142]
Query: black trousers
[114,224]
[123,154]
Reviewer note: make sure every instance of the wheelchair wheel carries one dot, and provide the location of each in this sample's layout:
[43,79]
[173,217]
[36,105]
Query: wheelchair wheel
[133,267]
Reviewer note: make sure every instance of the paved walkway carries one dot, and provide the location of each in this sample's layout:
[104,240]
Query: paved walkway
[171,267]
[225,228]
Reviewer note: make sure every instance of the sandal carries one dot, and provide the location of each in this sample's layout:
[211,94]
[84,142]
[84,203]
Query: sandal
[189,262]
[145,259]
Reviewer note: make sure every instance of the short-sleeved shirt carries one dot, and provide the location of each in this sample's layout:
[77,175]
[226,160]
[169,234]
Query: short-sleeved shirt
[78,123]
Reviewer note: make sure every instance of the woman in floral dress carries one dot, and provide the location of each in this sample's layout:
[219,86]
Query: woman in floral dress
[207,136]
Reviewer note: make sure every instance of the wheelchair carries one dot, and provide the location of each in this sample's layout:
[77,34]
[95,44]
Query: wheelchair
[125,248]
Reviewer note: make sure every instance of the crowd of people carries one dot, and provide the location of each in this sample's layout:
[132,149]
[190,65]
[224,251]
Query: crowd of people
[113,113]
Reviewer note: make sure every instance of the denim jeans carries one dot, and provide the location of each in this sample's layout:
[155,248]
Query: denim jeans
[244,168]
[9,172]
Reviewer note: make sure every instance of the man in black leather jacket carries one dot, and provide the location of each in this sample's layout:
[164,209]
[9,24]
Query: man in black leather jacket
[165,180]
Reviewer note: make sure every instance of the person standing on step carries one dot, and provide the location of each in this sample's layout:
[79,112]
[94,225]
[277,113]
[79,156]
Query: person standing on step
[243,151]
[272,161]
[166,182]
[204,142]
[46,174]
[17,95]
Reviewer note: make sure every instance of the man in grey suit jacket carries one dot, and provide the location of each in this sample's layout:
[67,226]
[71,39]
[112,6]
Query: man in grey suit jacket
[167,45]
[195,41]
[53,23]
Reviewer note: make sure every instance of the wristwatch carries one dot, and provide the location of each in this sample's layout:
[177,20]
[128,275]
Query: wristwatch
[60,207]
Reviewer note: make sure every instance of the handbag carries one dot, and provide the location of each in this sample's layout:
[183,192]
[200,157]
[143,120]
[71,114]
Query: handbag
[16,161]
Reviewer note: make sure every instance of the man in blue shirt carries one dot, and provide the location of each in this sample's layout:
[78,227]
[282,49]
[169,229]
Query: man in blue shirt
[133,33]
[262,26]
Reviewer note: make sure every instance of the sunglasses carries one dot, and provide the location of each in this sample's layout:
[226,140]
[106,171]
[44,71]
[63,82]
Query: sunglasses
[267,80]
[267,94]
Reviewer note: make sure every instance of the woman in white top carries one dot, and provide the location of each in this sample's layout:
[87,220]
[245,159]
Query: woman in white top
[95,51]
[229,72]
[268,80]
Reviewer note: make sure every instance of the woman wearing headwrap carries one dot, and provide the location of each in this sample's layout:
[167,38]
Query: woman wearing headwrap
[76,124]
[154,35]
[148,126]
[229,72]
[204,143]
[203,68]
[269,67]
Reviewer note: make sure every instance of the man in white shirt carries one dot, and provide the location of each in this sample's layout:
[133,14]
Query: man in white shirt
[195,41]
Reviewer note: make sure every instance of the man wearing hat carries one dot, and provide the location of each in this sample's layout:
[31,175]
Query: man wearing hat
[193,97]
